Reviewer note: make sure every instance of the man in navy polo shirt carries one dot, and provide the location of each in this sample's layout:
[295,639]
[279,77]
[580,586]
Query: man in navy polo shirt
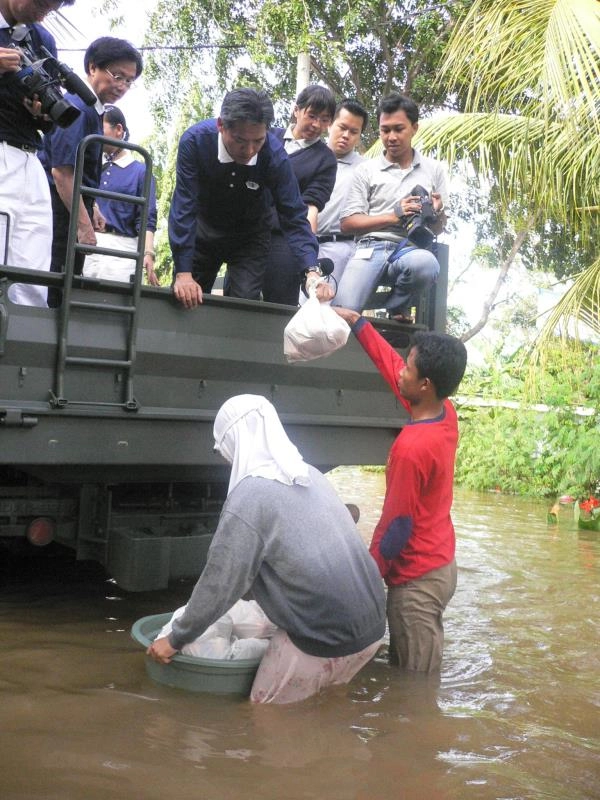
[111,65]
[230,172]
[25,212]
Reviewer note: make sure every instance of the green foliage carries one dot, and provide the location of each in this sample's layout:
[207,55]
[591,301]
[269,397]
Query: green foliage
[528,449]
[363,48]
[193,109]
[528,72]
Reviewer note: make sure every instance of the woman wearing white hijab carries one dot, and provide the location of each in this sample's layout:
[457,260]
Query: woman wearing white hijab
[286,539]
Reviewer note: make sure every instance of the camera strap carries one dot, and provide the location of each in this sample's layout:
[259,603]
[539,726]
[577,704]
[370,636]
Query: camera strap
[405,245]
[21,36]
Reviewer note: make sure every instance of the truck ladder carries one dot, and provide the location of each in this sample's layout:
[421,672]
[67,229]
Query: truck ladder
[66,359]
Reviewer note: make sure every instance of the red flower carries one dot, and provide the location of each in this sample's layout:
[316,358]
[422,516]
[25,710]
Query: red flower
[588,505]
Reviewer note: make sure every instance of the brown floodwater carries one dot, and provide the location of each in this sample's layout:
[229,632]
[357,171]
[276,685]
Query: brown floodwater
[515,715]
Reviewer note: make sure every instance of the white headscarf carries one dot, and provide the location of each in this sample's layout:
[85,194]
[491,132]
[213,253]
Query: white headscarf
[249,434]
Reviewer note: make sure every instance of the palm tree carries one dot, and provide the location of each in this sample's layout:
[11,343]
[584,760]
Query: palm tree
[530,72]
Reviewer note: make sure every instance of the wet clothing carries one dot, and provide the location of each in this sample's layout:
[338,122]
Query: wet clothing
[297,550]
[415,533]
[287,675]
[414,541]
[414,611]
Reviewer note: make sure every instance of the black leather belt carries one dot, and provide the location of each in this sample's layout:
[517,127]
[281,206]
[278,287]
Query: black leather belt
[335,237]
[28,148]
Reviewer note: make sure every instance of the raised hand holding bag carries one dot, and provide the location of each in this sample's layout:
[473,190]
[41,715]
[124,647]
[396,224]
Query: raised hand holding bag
[314,331]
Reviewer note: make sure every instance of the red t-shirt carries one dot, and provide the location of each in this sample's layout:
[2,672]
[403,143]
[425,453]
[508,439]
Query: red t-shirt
[415,533]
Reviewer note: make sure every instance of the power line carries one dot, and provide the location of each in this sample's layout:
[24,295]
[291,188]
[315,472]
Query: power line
[145,48]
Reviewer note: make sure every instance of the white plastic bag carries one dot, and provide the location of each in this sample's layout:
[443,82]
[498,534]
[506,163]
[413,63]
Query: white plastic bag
[314,331]
[243,632]
[215,642]
[250,621]
[248,648]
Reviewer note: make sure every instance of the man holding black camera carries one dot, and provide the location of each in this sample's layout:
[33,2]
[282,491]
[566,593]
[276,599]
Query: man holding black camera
[25,211]
[395,209]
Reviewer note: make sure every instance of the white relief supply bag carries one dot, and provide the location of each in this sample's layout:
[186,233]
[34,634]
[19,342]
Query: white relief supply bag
[250,621]
[314,331]
[243,632]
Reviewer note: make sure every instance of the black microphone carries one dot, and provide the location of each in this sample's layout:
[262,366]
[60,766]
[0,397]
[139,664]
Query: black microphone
[75,85]
[71,81]
[326,265]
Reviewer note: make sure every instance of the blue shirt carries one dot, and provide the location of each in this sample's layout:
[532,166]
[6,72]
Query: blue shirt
[234,199]
[60,146]
[17,126]
[126,176]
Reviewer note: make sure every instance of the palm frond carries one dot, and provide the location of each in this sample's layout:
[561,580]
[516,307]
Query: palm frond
[579,305]
[537,56]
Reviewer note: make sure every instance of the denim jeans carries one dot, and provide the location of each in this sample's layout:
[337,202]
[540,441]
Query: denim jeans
[407,276]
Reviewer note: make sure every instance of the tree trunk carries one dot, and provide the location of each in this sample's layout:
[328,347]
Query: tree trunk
[488,305]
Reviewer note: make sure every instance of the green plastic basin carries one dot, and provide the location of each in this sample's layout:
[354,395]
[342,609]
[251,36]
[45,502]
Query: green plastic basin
[194,674]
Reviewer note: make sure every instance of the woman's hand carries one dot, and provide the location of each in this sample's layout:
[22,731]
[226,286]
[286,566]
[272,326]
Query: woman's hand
[160,650]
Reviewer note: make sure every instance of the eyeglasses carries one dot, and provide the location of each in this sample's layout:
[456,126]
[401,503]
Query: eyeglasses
[120,79]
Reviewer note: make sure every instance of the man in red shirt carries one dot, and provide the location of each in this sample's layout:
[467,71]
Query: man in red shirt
[414,540]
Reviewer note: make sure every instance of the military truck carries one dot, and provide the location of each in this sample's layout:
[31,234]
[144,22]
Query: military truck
[107,405]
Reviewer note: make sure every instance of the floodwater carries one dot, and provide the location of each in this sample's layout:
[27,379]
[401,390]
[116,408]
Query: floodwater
[516,714]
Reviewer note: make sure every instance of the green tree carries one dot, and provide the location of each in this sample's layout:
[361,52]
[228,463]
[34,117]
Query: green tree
[541,443]
[362,48]
[529,72]
[194,108]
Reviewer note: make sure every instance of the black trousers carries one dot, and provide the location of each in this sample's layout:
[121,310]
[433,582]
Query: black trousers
[245,254]
[283,274]
[60,234]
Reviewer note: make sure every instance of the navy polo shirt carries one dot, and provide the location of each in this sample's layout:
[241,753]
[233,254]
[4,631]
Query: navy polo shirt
[126,176]
[60,146]
[17,126]
[230,199]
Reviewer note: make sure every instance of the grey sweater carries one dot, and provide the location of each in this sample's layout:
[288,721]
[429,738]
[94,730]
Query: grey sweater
[297,551]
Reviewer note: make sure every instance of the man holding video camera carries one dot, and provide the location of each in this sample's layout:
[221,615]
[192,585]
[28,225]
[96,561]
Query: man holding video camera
[395,209]
[25,211]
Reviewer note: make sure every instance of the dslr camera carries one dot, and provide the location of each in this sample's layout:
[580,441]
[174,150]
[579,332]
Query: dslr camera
[417,225]
[43,78]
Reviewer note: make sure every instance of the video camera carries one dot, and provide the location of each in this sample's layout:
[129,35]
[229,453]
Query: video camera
[417,225]
[44,77]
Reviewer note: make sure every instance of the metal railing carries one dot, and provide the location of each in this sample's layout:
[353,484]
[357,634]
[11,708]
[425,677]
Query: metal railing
[66,359]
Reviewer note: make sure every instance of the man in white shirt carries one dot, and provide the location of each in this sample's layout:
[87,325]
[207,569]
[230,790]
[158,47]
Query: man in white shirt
[25,210]
[344,134]
[380,211]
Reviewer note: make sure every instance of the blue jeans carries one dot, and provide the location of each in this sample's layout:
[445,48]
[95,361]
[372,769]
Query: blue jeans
[410,273]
